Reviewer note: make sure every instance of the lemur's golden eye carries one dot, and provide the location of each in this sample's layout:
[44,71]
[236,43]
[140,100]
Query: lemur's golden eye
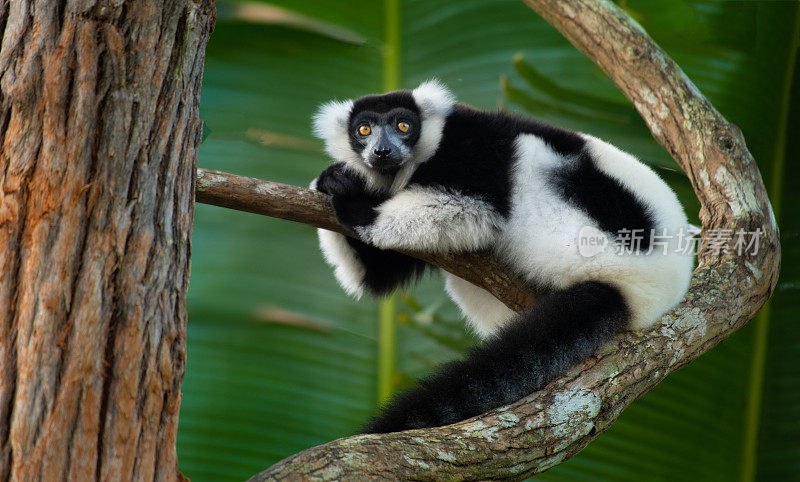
[364,129]
[403,126]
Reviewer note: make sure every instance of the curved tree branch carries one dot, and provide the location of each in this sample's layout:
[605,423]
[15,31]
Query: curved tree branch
[551,425]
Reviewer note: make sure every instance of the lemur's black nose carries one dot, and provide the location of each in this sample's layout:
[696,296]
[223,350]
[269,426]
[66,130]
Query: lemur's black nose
[382,152]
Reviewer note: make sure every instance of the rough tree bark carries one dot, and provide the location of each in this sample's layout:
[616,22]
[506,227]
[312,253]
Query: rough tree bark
[550,426]
[98,139]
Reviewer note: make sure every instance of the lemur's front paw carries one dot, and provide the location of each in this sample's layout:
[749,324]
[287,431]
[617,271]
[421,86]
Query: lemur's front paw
[352,212]
[337,181]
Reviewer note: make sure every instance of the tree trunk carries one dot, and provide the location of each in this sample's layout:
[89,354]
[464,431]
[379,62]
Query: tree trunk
[98,141]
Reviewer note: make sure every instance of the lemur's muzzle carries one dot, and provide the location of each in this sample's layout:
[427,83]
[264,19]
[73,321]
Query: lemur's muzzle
[386,155]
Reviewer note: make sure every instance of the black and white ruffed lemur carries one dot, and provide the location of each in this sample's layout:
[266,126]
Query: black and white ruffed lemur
[417,171]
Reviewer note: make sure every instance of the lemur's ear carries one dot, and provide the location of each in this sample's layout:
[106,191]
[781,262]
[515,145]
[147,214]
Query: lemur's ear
[331,118]
[330,125]
[435,103]
[433,99]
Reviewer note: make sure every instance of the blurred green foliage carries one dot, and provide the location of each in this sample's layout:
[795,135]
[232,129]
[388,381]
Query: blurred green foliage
[280,359]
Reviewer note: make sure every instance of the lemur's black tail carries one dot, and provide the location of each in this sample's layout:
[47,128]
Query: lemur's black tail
[563,329]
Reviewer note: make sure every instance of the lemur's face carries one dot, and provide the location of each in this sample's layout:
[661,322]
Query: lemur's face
[385,137]
[384,129]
